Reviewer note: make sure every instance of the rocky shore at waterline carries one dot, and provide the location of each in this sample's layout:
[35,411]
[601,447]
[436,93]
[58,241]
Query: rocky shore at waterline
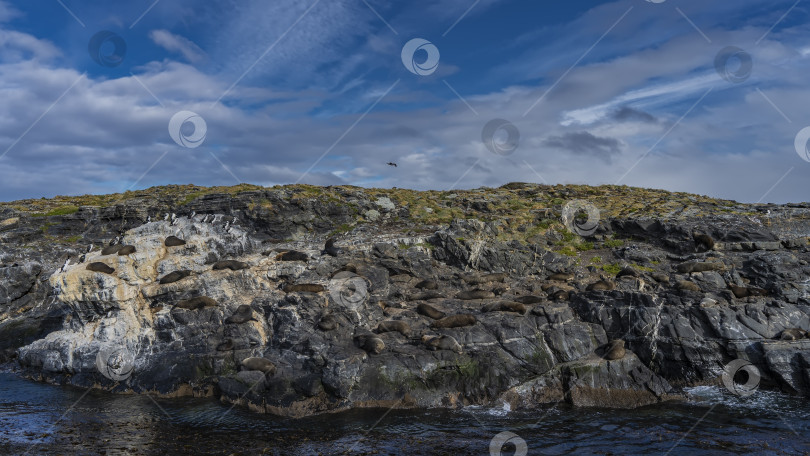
[421,299]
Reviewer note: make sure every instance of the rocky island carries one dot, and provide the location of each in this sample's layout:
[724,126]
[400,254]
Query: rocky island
[300,300]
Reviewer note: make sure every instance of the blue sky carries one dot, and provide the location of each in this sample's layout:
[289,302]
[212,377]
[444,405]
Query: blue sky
[316,92]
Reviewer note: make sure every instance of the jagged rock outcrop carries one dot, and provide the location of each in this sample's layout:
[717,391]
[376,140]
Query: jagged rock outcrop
[528,308]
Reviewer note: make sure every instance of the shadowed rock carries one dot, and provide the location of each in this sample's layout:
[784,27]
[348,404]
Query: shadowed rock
[697,266]
[505,306]
[292,255]
[530,299]
[228,345]
[427,285]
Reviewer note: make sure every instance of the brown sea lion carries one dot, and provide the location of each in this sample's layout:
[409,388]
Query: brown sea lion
[173,241]
[233,265]
[330,249]
[699,266]
[601,285]
[793,334]
[559,295]
[304,287]
[434,343]
[226,346]
[486,278]
[455,321]
[627,271]
[100,267]
[111,249]
[688,286]
[175,276]
[371,343]
[703,242]
[259,364]
[430,311]
[561,277]
[427,285]
[394,325]
[292,255]
[126,250]
[196,303]
[475,294]
[505,306]
[425,295]
[243,314]
[328,322]
[616,350]
[530,299]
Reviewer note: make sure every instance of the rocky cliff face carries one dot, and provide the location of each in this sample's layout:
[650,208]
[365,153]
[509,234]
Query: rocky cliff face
[426,299]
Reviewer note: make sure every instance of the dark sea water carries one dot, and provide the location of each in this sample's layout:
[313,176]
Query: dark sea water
[44,419]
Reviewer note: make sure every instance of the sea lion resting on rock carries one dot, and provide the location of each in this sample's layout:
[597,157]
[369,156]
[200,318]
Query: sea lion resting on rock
[430,311]
[441,343]
[793,334]
[616,350]
[394,325]
[233,265]
[292,255]
[328,322]
[486,278]
[126,250]
[111,249]
[196,303]
[528,299]
[475,294]
[243,314]
[744,292]
[505,306]
[259,364]
[427,285]
[561,277]
[173,241]
[371,343]
[305,287]
[703,242]
[602,285]
[225,346]
[455,321]
[560,295]
[330,249]
[175,276]
[100,267]
[425,295]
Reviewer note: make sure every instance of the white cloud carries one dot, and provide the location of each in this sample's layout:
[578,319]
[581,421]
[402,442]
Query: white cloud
[176,43]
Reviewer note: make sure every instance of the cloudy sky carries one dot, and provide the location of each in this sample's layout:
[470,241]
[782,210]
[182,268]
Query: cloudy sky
[686,95]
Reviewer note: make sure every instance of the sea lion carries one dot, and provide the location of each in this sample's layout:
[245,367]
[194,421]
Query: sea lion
[371,343]
[243,314]
[616,350]
[660,277]
[699,266]
[434,343]
[233,265]
[559,295]
[455,321]
[703,242]
[744,292]
[126,250]
[328,322]
[330,249]
[292,255]
[259,364]
[528,299]
[111,249]
[196,303]
[394,325]
[688,286]
[627,271]
[100,267]
[226,346]
[175,276]
[427,285]
[304,287]
[793,334]
[425,295]
[561,277]
[475,294]
[430,311]
[505,306]
[173,241]
[601,285]
[486,278]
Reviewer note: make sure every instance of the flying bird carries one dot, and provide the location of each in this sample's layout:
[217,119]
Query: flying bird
[392,164]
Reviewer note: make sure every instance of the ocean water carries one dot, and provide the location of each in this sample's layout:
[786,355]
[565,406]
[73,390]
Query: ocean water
[40,419]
